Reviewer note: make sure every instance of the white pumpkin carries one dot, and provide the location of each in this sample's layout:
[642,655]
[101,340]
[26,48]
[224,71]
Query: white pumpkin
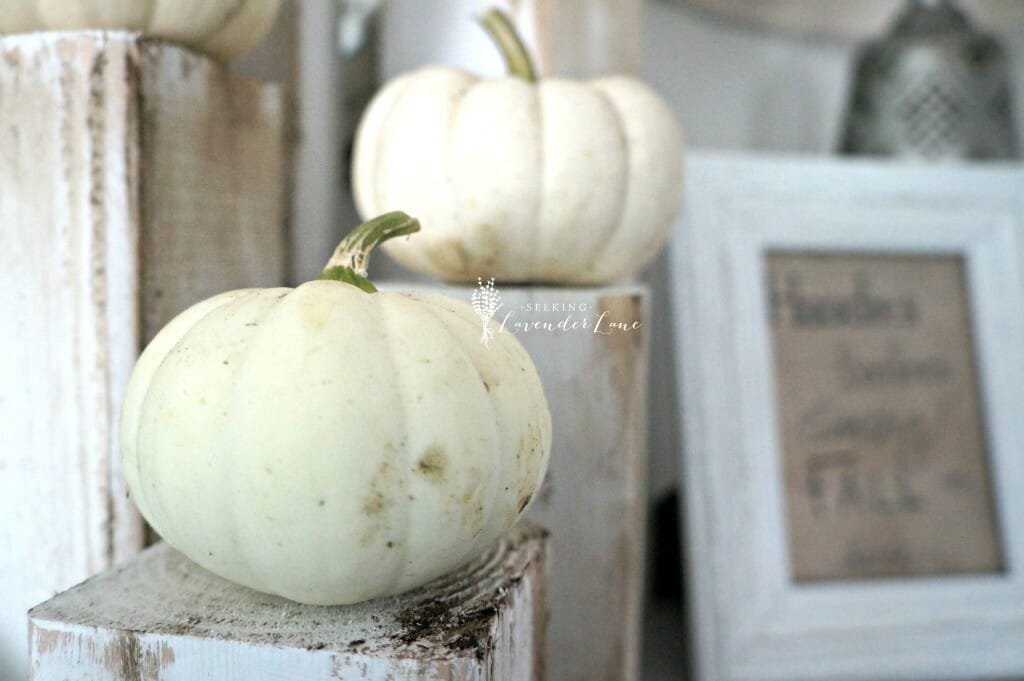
[552,181]
[329,444]
[221,28]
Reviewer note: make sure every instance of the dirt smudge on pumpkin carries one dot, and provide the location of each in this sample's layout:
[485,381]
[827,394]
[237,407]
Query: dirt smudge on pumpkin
[449,255]
[375,504]
[467,257]
[529,456]
[379,501]
[490,381]
[433,464]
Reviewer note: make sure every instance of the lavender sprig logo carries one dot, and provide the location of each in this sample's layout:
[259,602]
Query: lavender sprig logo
[486,301]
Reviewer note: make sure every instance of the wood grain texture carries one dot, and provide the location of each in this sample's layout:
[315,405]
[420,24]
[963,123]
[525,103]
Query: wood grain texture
[212,182]
[594,498]
[135,177]
[162,617]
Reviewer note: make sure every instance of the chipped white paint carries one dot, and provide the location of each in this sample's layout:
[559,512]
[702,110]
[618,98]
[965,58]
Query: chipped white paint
[594,498]
[136,178]
[162,617]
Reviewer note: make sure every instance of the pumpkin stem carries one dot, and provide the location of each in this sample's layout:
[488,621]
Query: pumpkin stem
[351,258]
[504,34]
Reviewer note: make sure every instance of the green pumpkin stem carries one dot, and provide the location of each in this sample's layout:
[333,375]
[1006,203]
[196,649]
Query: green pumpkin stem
[504,34]
[351,258]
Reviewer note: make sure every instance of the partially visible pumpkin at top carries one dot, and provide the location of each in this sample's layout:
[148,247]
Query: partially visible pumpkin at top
[224,29]
[330,443]
[520,179]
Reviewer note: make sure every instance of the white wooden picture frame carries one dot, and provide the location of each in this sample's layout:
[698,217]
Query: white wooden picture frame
[749,618]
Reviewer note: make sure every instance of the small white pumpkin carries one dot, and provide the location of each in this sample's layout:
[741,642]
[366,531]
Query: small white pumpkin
[553,181]
[221,28]
[329,443]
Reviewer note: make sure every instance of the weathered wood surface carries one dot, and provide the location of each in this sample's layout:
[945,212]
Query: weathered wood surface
[594,499]
[135,179]
[162,618]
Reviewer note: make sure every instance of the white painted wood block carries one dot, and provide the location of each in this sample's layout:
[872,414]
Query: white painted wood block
[594,499]
[135,179]
[161,617]
[582,38]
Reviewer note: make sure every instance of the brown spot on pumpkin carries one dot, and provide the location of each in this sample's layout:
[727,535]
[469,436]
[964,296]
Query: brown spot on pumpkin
[391,545]
[490,381]
[433,464]
[375,504]
[524,502]
[321,502]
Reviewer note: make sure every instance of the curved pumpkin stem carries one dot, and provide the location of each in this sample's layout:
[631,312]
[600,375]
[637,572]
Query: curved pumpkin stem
[352,256]
[503,32]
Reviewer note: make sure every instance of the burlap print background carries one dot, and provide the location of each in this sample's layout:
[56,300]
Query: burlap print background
[882,427]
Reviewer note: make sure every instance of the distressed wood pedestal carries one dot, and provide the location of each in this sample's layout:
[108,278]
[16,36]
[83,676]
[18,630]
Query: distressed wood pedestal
[160,617]
[135,179]
[590,346]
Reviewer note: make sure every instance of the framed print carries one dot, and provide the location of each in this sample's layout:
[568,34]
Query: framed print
[850,339]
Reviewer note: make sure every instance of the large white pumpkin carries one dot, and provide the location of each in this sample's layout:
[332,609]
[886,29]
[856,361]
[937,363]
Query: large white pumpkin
[222,28]
[332,445]
[550,181]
